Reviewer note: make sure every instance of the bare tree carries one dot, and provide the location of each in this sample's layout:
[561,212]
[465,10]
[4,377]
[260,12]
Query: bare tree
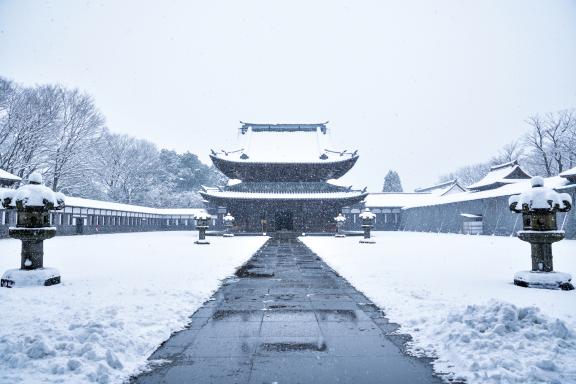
[509,152]
[79,125]
[537,142]
[28,119]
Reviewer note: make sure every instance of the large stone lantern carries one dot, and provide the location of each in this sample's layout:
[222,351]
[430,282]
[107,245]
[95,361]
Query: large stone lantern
[367,218]
[340,220]
[202,220]
[33,203]
[228,223]
[538,207]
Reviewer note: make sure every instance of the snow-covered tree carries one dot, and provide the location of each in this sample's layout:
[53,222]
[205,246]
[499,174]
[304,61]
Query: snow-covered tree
[392,182]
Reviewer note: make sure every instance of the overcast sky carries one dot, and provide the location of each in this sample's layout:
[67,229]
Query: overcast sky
[421,87]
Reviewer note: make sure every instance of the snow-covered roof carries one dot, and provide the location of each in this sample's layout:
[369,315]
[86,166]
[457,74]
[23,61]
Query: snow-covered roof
[569,174]
[555,182]
[392,199]
[282,196]
[450,186]
[107,205]
[8,176]
[265,143]
[501,174]
[80,202]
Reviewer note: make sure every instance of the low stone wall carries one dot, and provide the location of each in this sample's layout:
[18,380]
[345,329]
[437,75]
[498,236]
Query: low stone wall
[67,224]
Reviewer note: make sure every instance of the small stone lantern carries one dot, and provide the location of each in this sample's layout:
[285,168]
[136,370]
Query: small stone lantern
[228,223]
[33,203]
[367,218]
[538,207]
[202,220]
[340,220]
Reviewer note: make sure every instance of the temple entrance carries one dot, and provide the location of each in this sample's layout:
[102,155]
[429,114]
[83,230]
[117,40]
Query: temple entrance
[283,221]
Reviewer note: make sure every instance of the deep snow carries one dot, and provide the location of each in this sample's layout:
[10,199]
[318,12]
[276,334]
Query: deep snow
[121,296]
[454,295]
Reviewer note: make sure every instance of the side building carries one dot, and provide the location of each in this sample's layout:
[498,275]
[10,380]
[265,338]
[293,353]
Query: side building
[281,179]
[484,209]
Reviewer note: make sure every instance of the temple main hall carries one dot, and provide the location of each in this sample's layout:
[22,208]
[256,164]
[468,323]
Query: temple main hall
[283,178]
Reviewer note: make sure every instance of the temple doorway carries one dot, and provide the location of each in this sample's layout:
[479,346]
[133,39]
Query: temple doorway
[283,221]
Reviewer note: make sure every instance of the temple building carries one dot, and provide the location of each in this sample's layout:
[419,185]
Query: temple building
[7,179]
[283,178]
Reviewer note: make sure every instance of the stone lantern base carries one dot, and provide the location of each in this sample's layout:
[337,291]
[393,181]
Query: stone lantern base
[204,241]
[367,241]
[547,280]
[228,235]
[18,278]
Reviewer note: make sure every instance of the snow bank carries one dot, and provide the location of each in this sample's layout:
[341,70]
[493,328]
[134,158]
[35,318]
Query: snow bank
[454,294]
[500,342]
[121,296]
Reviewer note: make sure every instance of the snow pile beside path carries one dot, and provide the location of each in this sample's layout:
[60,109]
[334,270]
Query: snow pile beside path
[121,296]
[454,295]
[502,343]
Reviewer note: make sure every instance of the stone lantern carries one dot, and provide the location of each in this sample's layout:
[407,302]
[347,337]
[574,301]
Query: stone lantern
[33,203]
[538,207]
[228,223]
[367,218]
[202,220]
[340,220]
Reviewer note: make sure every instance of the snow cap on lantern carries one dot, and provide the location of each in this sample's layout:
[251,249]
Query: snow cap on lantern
[202,215]
[228,217]
[340,218]
[33,195]
[540,197]
[367,215]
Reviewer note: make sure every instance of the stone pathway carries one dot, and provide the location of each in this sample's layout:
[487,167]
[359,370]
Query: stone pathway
[287,318]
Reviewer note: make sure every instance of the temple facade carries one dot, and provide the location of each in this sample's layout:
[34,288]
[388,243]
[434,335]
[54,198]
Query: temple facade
[283,178]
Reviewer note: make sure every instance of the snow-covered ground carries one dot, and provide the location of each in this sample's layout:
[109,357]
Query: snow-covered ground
[454,295]
[121,296]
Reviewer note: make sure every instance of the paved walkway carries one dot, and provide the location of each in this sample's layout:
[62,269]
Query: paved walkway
[287,318]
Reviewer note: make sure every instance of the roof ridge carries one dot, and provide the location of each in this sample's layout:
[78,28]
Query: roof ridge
[504,165]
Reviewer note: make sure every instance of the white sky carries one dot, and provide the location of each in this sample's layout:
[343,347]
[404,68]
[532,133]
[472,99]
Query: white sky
[418,86]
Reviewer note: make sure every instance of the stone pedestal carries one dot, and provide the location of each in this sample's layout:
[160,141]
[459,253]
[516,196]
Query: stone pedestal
[18,278]
[32,271]
[541,244]
[548,280]
[202,236]
[542,274]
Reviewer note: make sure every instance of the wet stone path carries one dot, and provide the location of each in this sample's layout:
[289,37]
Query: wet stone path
[286,317]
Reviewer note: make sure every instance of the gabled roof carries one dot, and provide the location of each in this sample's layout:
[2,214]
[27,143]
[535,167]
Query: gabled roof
[500,175]
[570,174]
[8,178]
[448,187]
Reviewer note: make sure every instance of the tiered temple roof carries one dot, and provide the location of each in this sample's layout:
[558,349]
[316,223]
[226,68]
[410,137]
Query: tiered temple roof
[283,169]
[270,152]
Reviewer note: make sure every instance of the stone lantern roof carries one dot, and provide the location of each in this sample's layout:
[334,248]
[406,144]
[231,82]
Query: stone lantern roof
[367,215]
[540,197]
[33,195]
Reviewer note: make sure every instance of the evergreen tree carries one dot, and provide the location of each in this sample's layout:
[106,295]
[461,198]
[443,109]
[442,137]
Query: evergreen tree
[392,182]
